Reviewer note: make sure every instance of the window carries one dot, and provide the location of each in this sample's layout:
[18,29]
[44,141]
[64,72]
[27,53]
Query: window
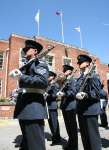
[1,60]
[22,59]
[107,75]
[0,87]
[67,61]
[49,60]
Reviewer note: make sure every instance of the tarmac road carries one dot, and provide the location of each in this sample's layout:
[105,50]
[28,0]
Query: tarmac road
[10,135]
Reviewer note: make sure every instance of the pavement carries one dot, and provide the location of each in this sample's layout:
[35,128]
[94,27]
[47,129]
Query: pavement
[10,135]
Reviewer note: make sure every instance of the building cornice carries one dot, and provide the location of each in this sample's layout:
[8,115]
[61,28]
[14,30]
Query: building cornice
[53,41]
[64,44]
[67,45]
[4,41]
[20,36]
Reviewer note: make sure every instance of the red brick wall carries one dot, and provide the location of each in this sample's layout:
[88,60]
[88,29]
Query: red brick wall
[4,45]
[73,52]
[6,111]
[16,42]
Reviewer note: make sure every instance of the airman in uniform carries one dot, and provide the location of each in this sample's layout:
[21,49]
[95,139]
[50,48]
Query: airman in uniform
[88,105]
[30,107]
[51,99]
[68,107]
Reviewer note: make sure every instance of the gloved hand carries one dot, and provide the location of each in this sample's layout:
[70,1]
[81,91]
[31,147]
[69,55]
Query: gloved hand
[60,94]
[81,95]
[45,95]
[86,71]
[16,73]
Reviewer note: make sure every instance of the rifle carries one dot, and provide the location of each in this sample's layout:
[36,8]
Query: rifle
[40,55]
[65,83]
[67,80]
[16,72]
[87,76]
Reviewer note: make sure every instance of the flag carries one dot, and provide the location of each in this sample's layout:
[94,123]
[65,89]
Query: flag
[77,29]
[37,20]
[37,16]
[58,13]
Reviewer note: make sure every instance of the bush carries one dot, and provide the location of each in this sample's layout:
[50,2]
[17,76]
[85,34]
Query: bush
[5,101]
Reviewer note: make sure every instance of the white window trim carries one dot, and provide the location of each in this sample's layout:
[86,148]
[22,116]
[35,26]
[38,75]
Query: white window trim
[3,60]
[53,62]
[107,75]
[20,58]
[1,90]
[64,57]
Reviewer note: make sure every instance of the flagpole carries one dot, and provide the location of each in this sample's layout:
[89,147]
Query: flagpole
[38,24]
[81,39]
[62,26]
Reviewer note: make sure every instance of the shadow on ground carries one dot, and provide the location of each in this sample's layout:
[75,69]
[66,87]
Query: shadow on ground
[18,141]
[63,142]
[105,143]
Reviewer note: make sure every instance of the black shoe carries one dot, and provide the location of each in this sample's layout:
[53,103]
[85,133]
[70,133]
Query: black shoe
[49,139]
[104,126]
[68,148]
[56,142]
[17,145]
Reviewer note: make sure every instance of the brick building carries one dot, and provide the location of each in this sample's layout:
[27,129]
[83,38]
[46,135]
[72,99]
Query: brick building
[10,58]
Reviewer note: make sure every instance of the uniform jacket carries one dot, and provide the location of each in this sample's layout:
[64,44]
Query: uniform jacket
[51,98]
[103,99]
[103,94]
[68,101]
[31,106]
[90,105]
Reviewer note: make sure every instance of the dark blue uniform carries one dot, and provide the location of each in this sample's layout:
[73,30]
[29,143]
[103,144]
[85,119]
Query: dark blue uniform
[103,115]
[30,107]
[53,113]
[68,106]
[88,110]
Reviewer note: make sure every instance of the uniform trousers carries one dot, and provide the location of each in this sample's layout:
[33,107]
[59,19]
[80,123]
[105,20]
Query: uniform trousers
[33,134]
[108,85]
[89,130]
[103,118]
[54,124]
[71,127]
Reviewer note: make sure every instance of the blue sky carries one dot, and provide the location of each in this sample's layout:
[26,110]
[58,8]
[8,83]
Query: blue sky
[17,16]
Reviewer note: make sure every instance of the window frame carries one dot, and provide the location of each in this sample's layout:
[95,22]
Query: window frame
[53,60]
[1,89]
[20,58]
[64,57]
[1,68]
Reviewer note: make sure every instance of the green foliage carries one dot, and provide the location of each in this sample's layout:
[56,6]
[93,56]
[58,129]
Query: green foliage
[4,101]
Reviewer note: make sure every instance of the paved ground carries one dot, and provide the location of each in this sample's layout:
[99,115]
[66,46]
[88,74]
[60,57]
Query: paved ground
[10,135]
